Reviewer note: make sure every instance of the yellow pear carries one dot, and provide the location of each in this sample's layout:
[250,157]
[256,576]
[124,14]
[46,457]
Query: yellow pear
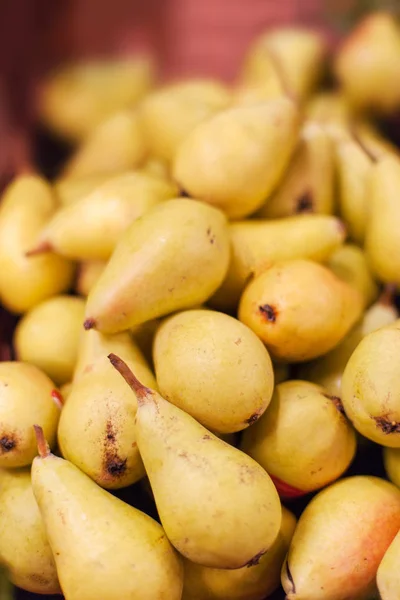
[255,583]
[387,577]
[170,113]
[229,514]
[340,540]
[382,242]
[65,391]
[76,98]
[103,548]
[88,273]
[25,281]
[69,190]
[27,396]
[328,107]
[97,425]
[308,184]
[299,309]
[235,159]
[174,257]
[368,63]
[257,244]
[114,145]
[90,228]
[214,368]
[143,336]
[24,548]
[301,411]
[48,336]
[156,167]
[391,459]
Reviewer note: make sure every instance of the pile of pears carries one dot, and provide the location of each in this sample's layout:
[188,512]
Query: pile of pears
[206,361]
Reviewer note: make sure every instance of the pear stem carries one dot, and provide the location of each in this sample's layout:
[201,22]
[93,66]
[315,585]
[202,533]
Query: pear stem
[43,447]
[140,390]
[388,294]
[41,248]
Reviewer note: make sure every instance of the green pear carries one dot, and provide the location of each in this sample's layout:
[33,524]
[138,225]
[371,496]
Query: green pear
[27,395]
[235,159]
[218,507]
[340,539]
[174,257]
[382,242]
[103,548]
[301,411]
[387,577]
[24,548]
[202,358]
[255,583]
[97,425]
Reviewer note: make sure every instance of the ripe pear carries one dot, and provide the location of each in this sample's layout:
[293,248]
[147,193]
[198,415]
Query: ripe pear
[257,244]
[114,146]
[97,425]
[143,336]
[69,190]
[235,159]
[387,577]
[391,459]
[368,64]
[301,411]
[27,396]
[76,98]
[382,242]
[340,540]
[103,548]
[328,107]
[27,204]
[156,167]
[65,391]
[174,257]
[214,368]
[90,228]
[218,507]
[255,583]
[88,274]
[170,113]
[308,184]
[48,336]
[299,309]
[24,548]
[371,386]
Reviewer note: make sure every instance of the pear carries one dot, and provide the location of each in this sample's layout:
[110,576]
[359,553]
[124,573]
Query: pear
[299,309]
[308,185]
[27,204]
[235,159]
[391,459]
[88,274]
[382,242]
[301,411]
[371,386]
[90,228]
[114,145]
[24,548]
[214,368]
[69,190]
[174,257]
[103,548]
[144,335]
[65,391]
[388,573]
[76,98]
[48,336]
[257,244]
[340,540]
[328,108]
[27,396]
[170,113]
[218,507]
[368,63]
[97,425]
[203,583]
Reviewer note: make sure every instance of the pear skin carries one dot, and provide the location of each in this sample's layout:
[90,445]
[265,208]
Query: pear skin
[27,204]
[90,228]
[239,516]
[97,425]
[255,583]
[391,459]
[387,577]
[23,542]
[340,539]
[236,158]
[299,309]
[69,190]
[48,336]
[103,548]
[257,244]
[371,386]
[27,396]
[65,391]
[88,273]
[202,358]
[144,335]
[301,411]
[174,257]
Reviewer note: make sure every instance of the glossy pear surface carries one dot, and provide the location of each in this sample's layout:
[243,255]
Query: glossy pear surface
[387,577]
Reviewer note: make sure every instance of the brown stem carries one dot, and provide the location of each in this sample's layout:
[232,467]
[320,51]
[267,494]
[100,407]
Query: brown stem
[43,447]
[140,390]
[41,248]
